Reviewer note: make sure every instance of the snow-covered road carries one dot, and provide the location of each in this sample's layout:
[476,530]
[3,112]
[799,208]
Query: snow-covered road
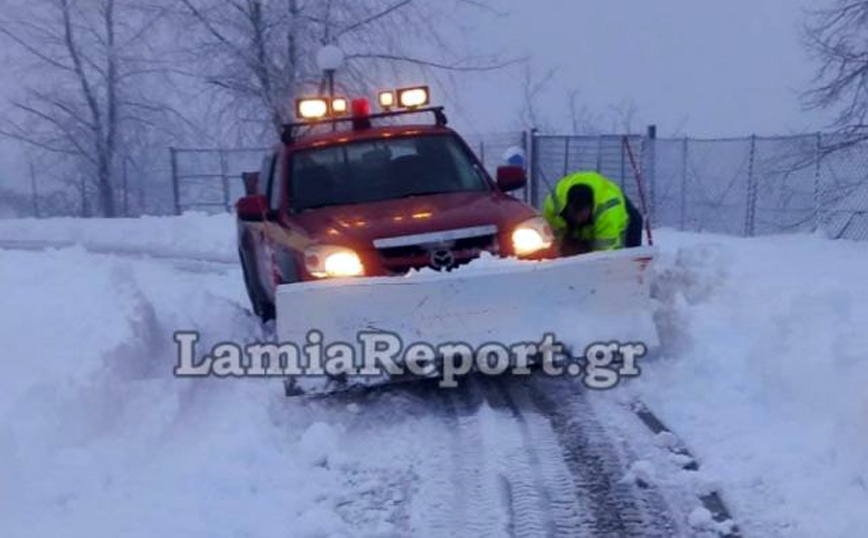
[94,418]
[762,377]
[503,457]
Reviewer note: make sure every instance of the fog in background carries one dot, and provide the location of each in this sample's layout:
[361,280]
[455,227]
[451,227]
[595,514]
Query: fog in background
[702,68]
[705,69]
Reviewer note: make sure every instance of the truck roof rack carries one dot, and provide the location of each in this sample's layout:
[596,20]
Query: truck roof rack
[288,134]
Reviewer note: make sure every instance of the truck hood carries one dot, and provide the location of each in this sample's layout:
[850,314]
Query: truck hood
[359,225]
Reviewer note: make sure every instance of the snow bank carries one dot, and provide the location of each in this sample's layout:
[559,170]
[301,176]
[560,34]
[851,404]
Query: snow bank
[97,438]
[765,373]
[192,235]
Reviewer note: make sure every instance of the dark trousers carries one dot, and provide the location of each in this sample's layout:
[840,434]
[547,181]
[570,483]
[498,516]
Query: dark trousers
[633,235]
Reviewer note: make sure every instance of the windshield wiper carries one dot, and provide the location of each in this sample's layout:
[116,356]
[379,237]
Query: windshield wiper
[316,206]
[427,193]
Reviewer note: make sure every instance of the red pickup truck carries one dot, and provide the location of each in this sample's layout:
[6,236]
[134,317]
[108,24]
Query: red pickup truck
[367,199]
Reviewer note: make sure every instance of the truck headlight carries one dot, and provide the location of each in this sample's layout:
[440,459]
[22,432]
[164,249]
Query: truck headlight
[332,262]
[532,236]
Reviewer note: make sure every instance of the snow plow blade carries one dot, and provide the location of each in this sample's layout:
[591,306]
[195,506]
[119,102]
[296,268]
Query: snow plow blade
[598,297]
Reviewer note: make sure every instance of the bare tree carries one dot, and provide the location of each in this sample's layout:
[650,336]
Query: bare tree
[582,120]
[533,86]
[259,54]
[624,116]
[87,96]
[837,37]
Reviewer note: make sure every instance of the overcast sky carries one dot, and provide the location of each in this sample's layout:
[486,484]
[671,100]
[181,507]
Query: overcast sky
[698,67]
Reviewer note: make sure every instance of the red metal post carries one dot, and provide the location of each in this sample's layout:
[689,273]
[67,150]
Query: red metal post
[640,181]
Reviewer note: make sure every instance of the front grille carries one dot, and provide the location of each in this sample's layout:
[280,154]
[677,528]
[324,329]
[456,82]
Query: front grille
[482,242]
[401,259]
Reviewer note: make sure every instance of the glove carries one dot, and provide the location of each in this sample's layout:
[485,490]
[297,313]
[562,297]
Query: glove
[570,246]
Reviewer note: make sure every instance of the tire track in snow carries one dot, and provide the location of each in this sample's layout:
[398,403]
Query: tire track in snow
[485,510]
[520,457]
[571,511]
[615,507]
[411,431]
[446,503]
[536,509]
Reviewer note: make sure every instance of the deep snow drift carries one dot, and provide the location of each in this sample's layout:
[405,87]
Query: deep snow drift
[192,235]
[763,375]
[98,439]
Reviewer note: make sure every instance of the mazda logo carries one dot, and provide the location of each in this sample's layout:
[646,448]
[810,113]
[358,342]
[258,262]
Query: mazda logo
[442,259]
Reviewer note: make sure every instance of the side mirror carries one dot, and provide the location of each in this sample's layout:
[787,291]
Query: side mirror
[251,183]
[252,208]
[511,178]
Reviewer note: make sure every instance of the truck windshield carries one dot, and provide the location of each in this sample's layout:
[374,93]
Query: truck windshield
[383,169]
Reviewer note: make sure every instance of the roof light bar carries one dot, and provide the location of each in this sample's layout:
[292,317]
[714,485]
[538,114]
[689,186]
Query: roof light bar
[311,108]
[416,97]
[288,133]
[387,99]
[316,108]
[340,106]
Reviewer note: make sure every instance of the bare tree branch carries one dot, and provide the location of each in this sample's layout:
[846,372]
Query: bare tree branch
[532,87]
[32,49]
[837,37]
[96,110]
[368,20]
[258,54]
[437,65]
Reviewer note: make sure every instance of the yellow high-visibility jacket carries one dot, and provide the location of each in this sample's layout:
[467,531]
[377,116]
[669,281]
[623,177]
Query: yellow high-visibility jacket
[610,217]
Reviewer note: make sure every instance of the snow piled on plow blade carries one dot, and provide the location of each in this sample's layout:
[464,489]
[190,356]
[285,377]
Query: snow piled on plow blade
[581,300]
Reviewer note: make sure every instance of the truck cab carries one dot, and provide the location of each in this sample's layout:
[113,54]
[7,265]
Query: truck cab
[348,197]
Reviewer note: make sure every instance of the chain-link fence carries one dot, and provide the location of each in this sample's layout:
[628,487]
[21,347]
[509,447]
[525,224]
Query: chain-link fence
[741,186]
[553,157]
[492,149]
[210,179]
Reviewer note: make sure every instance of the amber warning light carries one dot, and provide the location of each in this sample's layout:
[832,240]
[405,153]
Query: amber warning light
[315,108]
[407,98]
[414,97]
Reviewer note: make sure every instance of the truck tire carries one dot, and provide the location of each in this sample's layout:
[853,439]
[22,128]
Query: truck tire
[262,307]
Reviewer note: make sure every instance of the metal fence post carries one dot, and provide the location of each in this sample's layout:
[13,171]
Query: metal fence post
[34,192]
[818,187]
[85,204]
[623,167]
[176,188]
[482,152]
[224,178]
[525,193]
[126,184]
[600,154]
[684,164]
[750,211]
[534,168]
[651,173]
